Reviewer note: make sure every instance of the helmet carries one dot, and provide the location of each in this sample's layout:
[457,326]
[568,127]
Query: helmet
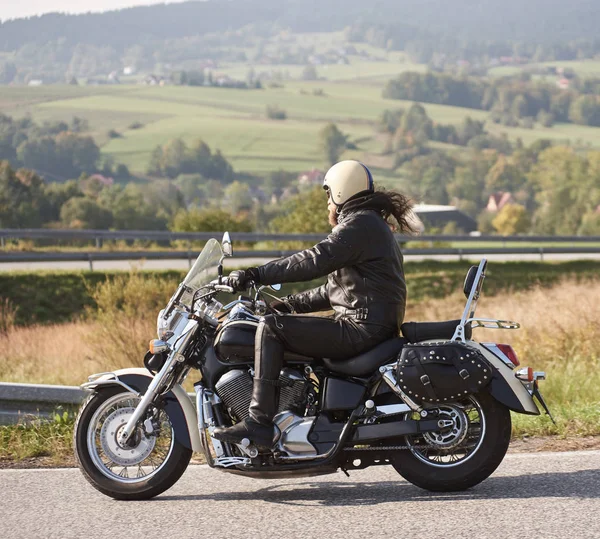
[347,179]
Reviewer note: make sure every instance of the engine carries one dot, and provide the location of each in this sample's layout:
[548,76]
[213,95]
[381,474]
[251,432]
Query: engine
[235,390]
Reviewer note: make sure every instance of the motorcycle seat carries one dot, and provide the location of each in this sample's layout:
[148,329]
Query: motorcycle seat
[368,362]
[425,331]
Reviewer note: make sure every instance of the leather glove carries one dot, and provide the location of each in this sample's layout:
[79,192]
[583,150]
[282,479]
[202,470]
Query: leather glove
[240,280]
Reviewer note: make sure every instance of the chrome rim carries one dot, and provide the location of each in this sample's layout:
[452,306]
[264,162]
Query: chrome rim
[146,456]
[455,444]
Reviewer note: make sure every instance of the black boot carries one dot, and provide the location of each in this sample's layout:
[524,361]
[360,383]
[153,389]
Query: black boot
[259,427]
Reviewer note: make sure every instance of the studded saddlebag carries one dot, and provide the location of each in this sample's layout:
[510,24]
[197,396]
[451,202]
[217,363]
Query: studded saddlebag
[441,371]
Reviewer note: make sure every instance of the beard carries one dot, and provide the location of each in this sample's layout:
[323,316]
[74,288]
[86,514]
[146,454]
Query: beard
[333,217]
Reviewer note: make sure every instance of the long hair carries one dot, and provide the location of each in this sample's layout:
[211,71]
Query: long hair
[396,205]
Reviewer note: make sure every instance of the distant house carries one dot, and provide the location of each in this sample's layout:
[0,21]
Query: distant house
[35,82]
[435,215]
[311,177]
[498,200]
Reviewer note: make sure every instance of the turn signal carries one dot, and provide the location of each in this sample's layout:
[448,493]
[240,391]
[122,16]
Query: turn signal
[525,374]
[156,346]
[508,351]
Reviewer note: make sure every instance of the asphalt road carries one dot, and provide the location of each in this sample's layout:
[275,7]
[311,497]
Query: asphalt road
[244,262]
[545,495]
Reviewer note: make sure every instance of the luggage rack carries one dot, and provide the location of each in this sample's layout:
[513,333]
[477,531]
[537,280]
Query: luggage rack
[473,295]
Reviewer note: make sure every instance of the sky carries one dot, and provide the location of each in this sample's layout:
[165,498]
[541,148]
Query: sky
[14,9]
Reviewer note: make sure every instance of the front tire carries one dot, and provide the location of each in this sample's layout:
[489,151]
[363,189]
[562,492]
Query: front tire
[152,464]
[466,455]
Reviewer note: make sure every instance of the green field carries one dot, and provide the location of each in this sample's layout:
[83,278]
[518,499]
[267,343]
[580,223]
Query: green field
[235,122]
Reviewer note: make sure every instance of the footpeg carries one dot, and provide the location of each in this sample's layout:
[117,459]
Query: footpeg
[246,447]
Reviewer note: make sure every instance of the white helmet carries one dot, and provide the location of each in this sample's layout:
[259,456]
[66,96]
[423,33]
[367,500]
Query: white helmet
[347,179]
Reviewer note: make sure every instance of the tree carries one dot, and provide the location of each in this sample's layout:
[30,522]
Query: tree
[209,220]
[563,185]
[237,197]
[585,110]
[512,219]
[333,142]
[275,113]
[305,213]
[22,200]
[191,187]
[309,73]
[84,212]
[503,176]
[519,106]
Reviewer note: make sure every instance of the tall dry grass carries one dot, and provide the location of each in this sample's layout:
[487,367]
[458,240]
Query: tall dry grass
[8,315]
[113,336]
[560,334]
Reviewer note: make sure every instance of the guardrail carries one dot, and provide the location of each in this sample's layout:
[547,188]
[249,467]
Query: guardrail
[250,237]
[165,235]
[22,402]
[26,402]
[190,255]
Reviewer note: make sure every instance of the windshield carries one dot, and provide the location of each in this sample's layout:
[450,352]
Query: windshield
[203,271]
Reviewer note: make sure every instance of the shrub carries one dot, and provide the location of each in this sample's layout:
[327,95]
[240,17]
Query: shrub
[275,113]
[113,133]
[136,125]
[127,306]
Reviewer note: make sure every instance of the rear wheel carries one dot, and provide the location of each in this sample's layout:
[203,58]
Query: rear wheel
[152,461]
[464,453]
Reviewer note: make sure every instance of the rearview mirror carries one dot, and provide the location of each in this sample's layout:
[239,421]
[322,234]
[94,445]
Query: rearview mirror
[276,287]
[470,280]
[226,245]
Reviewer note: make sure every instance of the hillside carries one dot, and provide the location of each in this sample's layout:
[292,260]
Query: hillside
[532,21]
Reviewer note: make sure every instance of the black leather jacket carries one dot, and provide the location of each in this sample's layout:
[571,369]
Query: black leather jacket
[363,263]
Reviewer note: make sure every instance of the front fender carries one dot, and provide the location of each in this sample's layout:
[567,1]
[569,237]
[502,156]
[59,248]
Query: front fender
[178,405]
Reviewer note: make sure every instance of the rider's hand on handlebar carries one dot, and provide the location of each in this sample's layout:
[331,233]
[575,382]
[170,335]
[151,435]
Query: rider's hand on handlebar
[241,280]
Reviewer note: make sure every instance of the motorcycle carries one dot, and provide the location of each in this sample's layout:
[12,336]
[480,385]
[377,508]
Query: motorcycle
[434,404]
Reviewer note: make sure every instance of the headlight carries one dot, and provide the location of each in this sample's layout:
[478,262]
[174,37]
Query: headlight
[162,326]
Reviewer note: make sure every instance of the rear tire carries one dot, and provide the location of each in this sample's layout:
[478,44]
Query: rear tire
[102,461]
[420,467]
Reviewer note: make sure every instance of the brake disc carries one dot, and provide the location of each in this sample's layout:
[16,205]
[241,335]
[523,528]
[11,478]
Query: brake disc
[141,447]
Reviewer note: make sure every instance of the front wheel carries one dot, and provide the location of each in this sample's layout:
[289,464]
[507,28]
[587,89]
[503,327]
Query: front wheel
[462,454]
[149,464]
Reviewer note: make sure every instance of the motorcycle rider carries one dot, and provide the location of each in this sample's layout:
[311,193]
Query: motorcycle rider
[365,288]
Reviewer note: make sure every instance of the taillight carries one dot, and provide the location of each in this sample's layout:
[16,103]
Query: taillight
[508,351]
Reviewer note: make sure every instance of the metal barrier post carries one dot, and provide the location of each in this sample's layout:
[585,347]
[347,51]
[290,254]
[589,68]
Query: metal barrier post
[90,261]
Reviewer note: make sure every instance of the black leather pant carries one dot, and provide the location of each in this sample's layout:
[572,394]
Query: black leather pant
[312,336]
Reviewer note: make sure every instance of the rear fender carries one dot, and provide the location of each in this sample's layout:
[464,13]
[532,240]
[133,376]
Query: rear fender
[505,387]
[178,405]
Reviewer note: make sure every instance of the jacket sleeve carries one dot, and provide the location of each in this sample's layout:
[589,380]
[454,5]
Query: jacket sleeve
[343,247]
[311,301]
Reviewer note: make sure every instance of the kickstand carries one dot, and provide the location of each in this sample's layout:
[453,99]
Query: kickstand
[538,396]
[347,474]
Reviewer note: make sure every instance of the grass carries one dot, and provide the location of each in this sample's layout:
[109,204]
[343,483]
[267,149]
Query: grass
[234,120]
[60,296]
[51,440]
[560,335]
